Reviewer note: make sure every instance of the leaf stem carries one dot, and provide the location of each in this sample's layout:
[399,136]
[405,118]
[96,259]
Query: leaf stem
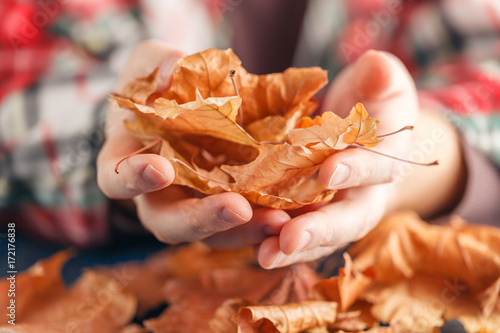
[173,159]
[356,145]
[232,73]
[409,128]
[135,153]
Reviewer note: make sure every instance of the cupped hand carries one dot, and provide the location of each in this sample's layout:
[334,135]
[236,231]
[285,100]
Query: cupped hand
[172,213]
[368,181]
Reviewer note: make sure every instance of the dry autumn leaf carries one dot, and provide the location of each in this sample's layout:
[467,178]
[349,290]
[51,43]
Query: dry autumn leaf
[344,289]
[260,143]
[193,302]
[292,318]
[426,274]
[93,304]
[404,245]
[146,279]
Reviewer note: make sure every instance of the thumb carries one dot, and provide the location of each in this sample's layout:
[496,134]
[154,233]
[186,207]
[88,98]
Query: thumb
[356,167]
[374,79]
[141,173]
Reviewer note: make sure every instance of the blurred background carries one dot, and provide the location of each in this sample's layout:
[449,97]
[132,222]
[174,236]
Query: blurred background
[59,60]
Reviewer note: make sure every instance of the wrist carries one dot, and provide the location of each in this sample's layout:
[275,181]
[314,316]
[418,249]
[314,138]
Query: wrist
[431,190]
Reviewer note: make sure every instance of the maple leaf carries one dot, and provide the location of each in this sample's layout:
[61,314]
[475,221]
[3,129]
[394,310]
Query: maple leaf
[404,245]
[330,132]
[212,116]
[260,151]
[426,274]
[344,289]
[282,94]
[93,304]
[413,304]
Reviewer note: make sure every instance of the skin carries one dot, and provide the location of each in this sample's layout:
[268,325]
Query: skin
[370,185]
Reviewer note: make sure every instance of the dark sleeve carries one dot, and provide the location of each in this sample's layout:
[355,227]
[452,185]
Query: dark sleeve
[480,202]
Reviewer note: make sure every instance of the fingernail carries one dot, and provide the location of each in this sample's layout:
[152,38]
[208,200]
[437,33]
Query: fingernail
[153,176]
[339,175]
[304,242]
[280,259]
[228,216]
[166,68]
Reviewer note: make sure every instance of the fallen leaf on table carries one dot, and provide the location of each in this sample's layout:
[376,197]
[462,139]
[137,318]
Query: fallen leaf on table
[291,318]
[345,288]
[218,290]
[358,318]
[426,274]
[193,302]
[404,245]
[94,303]
[146,279]
[222,320]
[35,287]
[267,147]
[414,304]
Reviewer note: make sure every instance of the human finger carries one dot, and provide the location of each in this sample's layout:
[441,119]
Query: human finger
[189,219]
[357,167]
[316,234]
[138,174]
[264,223]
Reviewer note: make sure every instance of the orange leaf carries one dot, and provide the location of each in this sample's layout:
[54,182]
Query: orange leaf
[344,289]
[330,132]
[403,245]
[425,274]
[292,317]
[261,152]
[93,304]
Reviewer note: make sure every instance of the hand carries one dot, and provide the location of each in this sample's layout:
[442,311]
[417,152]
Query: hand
[170,212]
[371,185]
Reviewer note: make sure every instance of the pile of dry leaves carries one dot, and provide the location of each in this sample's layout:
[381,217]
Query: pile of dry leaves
[406,273]
[247,133]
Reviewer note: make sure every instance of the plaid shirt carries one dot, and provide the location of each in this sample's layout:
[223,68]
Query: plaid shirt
[59,60]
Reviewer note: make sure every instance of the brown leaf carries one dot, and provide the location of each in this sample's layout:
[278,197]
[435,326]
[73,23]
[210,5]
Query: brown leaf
[413,304]
[275,94]
[93,304]
[358,318]
[222,320]
[216,285]
[276,169]
[35,287]
[344,289]
[139,280]
[403,245]
[212,116]
[426,274]
[490,298]
[330,132]
[253,157]
[191,261]
[207,71]
[272,128]
[141,89]
[292,317]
